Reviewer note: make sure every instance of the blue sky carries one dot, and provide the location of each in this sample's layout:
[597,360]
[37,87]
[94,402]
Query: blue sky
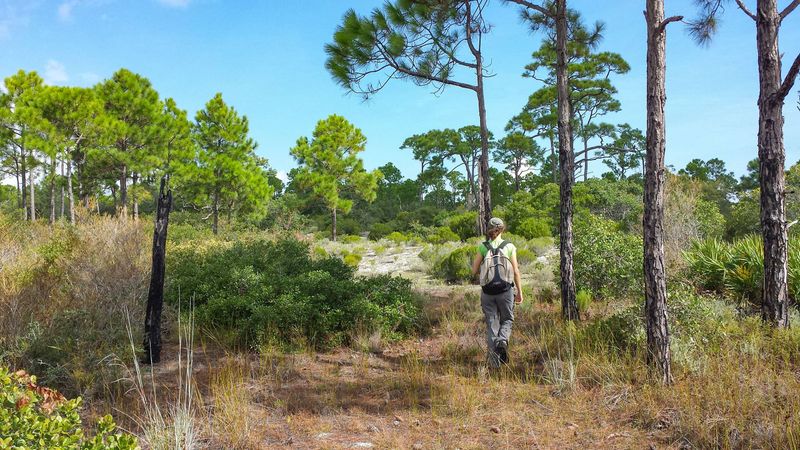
[267,58]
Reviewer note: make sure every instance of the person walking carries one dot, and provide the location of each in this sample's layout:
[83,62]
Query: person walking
[501,286]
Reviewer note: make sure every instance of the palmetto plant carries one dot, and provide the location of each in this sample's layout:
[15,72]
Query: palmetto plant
[737,269]
[708,263]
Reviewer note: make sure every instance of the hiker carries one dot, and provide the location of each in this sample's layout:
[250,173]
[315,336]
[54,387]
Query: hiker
[501,286]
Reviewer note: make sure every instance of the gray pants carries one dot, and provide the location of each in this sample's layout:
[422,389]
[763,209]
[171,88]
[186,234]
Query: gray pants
[498,312]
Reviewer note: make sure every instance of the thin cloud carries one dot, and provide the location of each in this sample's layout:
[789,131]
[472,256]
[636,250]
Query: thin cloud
[55,73]
[175,3]
[65,10]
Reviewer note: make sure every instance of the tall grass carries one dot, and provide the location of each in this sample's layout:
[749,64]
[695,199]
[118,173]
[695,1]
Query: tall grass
[165,423]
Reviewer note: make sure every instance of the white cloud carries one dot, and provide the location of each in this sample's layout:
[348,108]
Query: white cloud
[175,3]
[282,175]
[55,73]
[65,10]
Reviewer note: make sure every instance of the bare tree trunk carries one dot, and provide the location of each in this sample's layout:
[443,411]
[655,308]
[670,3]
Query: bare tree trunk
[155,295]
[484,188]
[52,190]
[333,225]
[658,351]
[70,194]
[569,305]
[123,191]
[771,158]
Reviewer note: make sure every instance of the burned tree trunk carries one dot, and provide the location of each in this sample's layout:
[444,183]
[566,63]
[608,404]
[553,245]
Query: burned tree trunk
[155,295]
[771,158]
[566,156]
[655,279]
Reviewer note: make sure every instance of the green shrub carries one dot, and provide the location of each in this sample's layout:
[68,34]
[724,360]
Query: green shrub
[525,256]
[464,225]
[397,237]
[440,235]
[33,416]
[457,265]
[608,261]
[319,252]
[379,231]
[541,246]
[352,260]
[584,299]
[533,228]
[349,239]
[254,292]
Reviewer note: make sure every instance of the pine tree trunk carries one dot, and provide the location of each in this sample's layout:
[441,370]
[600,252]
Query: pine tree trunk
[658,351]
[52,190]
[155,295]
[63,205]
[215,213]
[553,159]
[771,158]
[32,186]
[484,187]
[70,194]
[333,225]
[123,191]
[24,183]
[569,305]
[135,199]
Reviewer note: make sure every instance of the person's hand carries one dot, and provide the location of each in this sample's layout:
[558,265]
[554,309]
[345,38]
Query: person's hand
[518,298]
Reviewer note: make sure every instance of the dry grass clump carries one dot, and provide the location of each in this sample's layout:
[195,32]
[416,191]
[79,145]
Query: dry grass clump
[63,293]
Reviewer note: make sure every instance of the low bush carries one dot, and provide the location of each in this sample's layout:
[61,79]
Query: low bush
[349,239]
[608,261]
[397,237]
[352,260]
[255,292]
[533,228]
[380,231]
[584,299]
[33,416]
[456,266]
[440,235]
[525,256]
[464,225]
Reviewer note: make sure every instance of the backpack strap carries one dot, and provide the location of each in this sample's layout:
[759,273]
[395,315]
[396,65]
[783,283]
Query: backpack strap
[489,247]
[502,245]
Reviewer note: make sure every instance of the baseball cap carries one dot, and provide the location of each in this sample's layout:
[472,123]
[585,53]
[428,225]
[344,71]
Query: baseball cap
[496,222]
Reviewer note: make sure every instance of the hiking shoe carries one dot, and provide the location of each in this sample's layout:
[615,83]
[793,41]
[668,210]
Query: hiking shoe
[502,352]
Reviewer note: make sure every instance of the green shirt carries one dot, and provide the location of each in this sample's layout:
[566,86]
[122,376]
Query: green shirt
[509,250]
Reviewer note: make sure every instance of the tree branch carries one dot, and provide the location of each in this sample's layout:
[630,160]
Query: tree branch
[532,6]
[666,22]
[744,9]
[788,10]
[788,82]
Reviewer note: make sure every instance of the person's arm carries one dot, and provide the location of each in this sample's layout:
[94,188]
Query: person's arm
[517,278]
[476,264]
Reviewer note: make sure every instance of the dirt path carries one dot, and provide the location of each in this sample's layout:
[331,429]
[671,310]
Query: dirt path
[433,393]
